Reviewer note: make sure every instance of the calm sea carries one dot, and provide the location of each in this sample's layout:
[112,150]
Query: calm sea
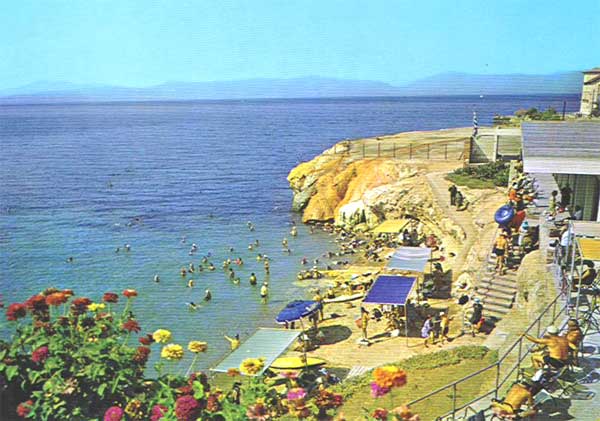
[81,180]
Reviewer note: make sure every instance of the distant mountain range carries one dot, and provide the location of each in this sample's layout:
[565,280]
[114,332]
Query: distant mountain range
[307,87]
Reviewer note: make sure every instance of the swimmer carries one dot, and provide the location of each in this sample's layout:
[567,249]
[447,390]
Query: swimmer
[231,249]
[240,261]
[250,247]
[118,249]
[191,283]
[267,266]
[127,247]
[200,268]
[211,266]
[225,264]
[183,240]
[231,274]
[253,279]
[287,250]
[284,243]
[194,247]
[192,305]
[156,278]
[204,260]
[304,261]
[294,231]
[264,292]
[236,281]
[191,268]
[311,230]
[207,295]
[256,243]
[259,257]
[70,259]
[183,272]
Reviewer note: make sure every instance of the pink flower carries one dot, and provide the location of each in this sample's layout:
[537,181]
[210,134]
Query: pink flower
[186,408]
[24,408]
[296,394]
[378,391]
[40,355]
[114,413]
[158,411]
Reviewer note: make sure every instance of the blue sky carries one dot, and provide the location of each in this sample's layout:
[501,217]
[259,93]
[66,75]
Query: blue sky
[145,42]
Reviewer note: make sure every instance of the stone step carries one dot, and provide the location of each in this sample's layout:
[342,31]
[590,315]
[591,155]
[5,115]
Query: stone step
[493,302]
[505,277]
[494,308]
[499,283]
[500,295]
[495,314]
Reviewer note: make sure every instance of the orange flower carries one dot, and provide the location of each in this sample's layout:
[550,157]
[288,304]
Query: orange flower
[56,299]
[232,372]
[389,376]
[130,293]
[68,292]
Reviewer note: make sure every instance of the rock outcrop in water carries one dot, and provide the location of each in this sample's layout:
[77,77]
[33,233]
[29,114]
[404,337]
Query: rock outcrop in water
[353,191]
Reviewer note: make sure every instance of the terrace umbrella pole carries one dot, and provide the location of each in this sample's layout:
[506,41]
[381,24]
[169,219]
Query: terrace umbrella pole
[303,344]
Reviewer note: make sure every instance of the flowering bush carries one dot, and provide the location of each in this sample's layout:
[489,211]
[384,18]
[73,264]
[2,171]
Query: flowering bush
[70,358]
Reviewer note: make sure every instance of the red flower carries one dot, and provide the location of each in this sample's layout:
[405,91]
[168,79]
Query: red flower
[380,414]
[185,390]
[158,411]
[56,299]
[146,340]
[110,297]
[114,413]
[186,408]
[80,305]
[212,403]
[37,303]
[141,354]
[68,292]
[131,326]
[16,311]
[40,355]
[24,408]
[130,293]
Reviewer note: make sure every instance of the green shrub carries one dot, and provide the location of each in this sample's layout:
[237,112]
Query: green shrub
[481,176]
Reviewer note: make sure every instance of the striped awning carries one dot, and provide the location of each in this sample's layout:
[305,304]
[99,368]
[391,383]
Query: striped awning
[590,248]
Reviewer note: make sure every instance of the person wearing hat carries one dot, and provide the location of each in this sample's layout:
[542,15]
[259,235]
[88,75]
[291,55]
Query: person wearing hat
[444,326]
[521,393]
[501,251]
[558,349]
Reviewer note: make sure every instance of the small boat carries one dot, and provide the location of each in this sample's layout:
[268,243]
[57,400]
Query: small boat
[290,363]
[344,298]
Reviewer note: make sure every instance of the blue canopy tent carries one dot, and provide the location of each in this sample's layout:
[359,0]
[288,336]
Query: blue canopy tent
[392,290]
[298,309]
[265,343]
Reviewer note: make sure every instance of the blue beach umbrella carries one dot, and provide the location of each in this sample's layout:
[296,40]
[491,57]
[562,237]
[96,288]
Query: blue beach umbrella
[504,215]
[296,310]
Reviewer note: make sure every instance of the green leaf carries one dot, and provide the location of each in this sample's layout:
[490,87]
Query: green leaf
[101,389]
[198,390]
[11,372]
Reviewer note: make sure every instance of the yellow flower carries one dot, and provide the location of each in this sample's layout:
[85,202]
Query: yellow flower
[172,352]
[96,306]
[197,347]
[161,336]
[252,366]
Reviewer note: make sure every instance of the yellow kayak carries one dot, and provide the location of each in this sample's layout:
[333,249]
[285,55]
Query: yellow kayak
[290,363]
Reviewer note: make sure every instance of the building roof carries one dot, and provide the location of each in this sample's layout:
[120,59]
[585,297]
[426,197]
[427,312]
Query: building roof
[593,80]
[594,70]
[561,147]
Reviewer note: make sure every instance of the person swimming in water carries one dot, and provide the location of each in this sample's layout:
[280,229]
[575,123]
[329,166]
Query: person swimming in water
[118,249]
[200,268]
[294,231]
[259,257]
[264,292]
[207,295]
[183,272]
[267,266]
[70,259]
[191,283]
[253,279]
[284,243]
[156,278]
[236,281]
[256,243]
[204,260]
[231,274]
[304,261]
[250,247]
[211,266]
[127,247]
[192,305]
[191,268]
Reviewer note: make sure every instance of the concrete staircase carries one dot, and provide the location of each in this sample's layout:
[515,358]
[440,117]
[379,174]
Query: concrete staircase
[497,292]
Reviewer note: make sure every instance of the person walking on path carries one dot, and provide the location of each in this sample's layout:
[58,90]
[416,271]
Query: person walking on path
[476,319]
[364,322]
[501,252]
[427,331]
[444,327]
[453,190]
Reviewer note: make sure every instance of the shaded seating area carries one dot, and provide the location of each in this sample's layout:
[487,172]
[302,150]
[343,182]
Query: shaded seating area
[416,260]
[265,343]
[393,291]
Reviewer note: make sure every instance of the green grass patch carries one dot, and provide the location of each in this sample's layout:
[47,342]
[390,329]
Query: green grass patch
[470,182]
[483,176]
[426,373]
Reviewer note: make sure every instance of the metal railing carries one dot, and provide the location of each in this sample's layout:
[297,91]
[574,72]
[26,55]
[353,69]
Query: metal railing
[446,150]
[501,371]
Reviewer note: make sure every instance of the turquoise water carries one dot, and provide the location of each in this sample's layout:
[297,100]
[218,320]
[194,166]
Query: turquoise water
[82,179]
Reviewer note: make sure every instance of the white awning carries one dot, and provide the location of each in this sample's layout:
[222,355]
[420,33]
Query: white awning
[413,259]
